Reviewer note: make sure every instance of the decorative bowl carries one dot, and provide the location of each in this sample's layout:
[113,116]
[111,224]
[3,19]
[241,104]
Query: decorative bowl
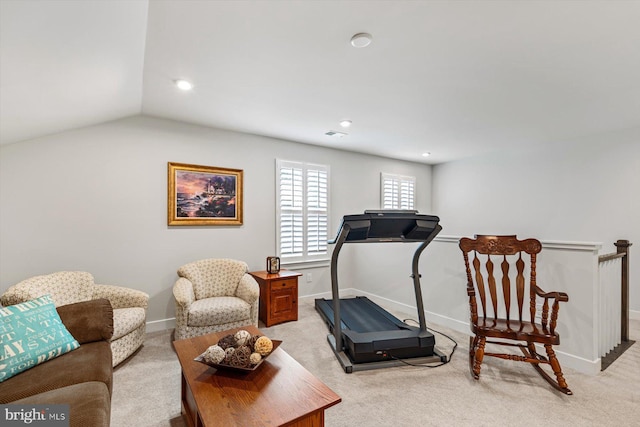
[200,358]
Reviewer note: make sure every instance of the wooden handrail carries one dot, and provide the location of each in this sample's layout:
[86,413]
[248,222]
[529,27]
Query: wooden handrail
[611,256]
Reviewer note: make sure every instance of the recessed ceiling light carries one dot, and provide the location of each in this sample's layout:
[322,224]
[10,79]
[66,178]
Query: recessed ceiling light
[426,154]
[345,123]
[184,85]
[335,134]
[361,40]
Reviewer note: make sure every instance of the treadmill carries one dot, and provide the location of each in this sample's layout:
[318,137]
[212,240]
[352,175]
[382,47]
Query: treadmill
[369,337]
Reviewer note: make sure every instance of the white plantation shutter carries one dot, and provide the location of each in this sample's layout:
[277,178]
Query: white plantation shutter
[317,214]
[397,191]
[303,211]
[291,203]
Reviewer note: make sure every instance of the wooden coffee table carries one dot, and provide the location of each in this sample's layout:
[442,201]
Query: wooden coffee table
[280,392]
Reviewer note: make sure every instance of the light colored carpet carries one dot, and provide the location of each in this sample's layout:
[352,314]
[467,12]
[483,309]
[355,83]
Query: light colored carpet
[146,389]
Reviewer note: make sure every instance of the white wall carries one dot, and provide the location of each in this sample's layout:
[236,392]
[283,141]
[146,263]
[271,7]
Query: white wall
[586,190]
[94,199]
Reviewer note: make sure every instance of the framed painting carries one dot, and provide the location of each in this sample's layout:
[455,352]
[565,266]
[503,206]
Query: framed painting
[204,195]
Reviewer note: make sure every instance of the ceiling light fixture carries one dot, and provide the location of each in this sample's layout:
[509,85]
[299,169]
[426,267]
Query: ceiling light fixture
[361,40]
[427,154]
[345,123]
[184,85]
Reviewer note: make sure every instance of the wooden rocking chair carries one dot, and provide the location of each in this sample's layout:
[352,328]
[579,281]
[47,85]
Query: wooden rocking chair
[505,323]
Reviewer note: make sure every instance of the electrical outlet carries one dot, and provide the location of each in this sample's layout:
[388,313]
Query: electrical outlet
[309,277]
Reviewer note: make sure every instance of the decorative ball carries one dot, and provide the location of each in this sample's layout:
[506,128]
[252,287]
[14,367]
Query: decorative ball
[228,353]
[252,341]
[242,337]
[255,358]
[240,357]
[214,354]
[243,351]
[263,346]
[227,341]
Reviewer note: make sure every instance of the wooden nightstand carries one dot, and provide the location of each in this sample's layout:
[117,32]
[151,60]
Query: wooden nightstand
[278,296]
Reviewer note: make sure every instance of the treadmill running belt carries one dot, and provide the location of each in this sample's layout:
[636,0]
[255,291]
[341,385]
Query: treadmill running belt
[360,314]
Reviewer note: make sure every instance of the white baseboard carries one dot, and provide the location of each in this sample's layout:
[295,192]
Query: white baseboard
[164,324]
[170,323]
[589,367]
[343,293]
[161,325]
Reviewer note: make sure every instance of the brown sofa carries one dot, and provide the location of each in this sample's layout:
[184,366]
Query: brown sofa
[81,378]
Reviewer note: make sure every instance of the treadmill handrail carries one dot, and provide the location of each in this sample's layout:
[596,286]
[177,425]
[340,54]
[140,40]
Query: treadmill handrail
[415,274]
[335,289]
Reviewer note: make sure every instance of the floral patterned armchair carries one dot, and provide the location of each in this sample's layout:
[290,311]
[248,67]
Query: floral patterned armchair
[68,287]
[214,295]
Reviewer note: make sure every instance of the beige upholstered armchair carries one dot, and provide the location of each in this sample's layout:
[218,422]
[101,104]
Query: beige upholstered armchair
[68,287]
[214,295]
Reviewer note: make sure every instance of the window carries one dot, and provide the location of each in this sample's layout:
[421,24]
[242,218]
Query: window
[397,191]
[302,211]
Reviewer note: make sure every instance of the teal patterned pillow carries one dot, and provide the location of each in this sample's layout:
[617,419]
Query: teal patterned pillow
[31,333]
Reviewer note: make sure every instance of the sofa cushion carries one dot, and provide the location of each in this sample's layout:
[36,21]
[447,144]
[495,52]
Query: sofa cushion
[88,321]
[32,333]
[90,362]
[127,320]
[220,310]
[89,403]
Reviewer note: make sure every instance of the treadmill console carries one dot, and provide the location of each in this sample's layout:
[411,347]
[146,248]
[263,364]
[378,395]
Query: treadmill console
[388,226]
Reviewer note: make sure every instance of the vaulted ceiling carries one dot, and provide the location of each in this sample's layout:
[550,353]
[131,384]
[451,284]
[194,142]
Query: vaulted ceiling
[453,78]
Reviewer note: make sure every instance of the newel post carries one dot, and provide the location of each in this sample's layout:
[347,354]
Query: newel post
[623,248]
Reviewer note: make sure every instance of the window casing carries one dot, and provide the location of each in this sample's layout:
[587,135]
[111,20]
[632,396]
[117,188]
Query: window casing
[302,211]
[397,191]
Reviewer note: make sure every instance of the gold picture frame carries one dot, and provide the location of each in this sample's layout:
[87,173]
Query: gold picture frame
[204,195]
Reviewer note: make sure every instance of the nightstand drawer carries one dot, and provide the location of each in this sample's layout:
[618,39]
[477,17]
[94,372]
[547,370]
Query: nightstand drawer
[284,284]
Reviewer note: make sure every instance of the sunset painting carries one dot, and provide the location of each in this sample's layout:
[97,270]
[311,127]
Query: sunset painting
[203,195]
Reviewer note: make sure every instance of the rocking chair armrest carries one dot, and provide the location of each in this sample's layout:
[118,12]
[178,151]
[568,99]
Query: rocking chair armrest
[558,296]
